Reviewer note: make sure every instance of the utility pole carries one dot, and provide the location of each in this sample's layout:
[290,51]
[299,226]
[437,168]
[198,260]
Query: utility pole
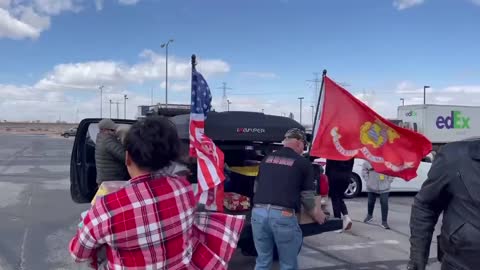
[403,101]
[125,106]
[301,99]
[224,95]
[110,109]
[101,100]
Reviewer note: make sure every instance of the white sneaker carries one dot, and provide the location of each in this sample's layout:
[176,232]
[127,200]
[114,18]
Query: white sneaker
[347,223]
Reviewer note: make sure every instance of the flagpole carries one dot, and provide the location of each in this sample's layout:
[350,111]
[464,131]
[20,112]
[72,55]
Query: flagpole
[194,61]
[314,126]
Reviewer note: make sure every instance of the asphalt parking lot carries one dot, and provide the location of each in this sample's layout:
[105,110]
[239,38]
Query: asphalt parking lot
[39,218]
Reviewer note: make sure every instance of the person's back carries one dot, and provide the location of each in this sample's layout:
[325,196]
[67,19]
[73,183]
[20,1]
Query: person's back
[339,168]
[284,182]
[452,187]
[145,225]
[109,154]
[282,178]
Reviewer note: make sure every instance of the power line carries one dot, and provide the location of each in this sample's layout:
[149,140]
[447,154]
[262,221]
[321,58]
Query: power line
[317,82]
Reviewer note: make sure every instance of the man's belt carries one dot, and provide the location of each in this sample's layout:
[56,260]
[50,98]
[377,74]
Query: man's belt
[275,207]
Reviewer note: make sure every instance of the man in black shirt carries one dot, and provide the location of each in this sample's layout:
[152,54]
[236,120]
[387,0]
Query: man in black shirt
[284,182]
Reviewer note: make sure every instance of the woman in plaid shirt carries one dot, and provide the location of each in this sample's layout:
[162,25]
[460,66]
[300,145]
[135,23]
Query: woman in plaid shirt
[151,223]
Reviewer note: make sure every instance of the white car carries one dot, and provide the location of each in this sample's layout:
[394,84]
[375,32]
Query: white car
[358,185]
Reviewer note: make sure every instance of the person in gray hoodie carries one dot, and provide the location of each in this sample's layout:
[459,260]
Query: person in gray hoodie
[377,184]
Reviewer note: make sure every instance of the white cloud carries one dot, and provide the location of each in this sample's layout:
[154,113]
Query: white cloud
[55,7]
[48,98]
[463,89]
[404,4]
[128,2]
[99,4]
[178,86]
[476,2]
[27,19]
[407,87]
[261,75]
[14,28]
[89,75]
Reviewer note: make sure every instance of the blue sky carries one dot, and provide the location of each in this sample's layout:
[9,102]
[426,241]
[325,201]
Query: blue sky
[59,51]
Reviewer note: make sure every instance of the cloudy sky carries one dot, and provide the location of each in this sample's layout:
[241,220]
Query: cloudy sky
[54,54]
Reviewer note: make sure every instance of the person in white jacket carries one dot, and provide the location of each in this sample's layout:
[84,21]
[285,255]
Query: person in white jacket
[377,184]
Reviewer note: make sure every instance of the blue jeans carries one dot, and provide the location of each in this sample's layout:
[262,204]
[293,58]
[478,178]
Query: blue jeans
[272,228]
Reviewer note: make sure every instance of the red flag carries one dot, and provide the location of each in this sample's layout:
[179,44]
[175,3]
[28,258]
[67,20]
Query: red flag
[347,128]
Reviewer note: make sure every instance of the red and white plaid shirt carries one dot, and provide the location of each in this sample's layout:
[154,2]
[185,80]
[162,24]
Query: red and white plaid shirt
[152,224]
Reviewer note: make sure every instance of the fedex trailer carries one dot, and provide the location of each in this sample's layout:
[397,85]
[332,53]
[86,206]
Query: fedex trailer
[441,124]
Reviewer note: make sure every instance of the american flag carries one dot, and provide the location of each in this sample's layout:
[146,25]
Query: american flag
[210,159]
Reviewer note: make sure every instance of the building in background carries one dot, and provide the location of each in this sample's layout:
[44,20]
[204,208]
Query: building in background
[162,109]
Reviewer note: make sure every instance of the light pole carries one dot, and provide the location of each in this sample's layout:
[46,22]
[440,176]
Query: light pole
[301,99]
[110,109]
[165,45]
[403,101]
[101,100]
[228,104]
[425,93]
[125,106]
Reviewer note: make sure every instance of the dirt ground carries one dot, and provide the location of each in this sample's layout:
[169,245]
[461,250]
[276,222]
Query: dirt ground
[51,129]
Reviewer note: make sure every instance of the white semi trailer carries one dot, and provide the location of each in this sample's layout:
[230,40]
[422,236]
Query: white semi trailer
[441,124]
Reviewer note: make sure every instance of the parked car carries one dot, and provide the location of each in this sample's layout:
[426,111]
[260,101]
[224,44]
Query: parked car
[69,132]
[357,183]
[242,136]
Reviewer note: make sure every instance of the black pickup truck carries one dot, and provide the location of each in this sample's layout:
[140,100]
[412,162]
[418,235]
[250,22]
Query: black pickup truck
[242,136]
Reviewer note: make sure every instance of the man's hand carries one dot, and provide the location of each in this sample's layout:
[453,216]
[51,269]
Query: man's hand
[319,216]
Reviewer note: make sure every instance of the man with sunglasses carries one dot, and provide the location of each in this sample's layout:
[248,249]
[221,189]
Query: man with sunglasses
[284,182]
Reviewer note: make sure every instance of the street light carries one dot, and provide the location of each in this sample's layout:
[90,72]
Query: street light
[125,106]
[403,101]
[300,98]
[110,109]
[165,45]
[101,100]
[228,104]
[425,93]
